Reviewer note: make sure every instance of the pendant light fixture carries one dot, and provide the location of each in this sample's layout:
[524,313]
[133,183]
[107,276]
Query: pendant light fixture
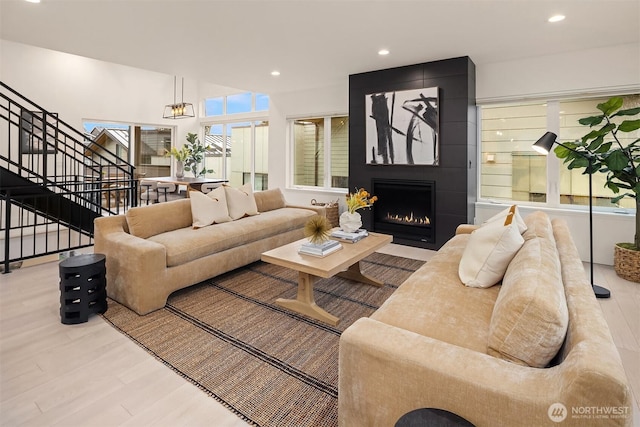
[178,110]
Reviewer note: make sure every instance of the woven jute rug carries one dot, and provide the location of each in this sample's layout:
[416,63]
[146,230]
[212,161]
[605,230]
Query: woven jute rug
[270,366]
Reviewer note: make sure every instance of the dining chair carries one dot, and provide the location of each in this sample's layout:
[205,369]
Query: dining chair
[149,191]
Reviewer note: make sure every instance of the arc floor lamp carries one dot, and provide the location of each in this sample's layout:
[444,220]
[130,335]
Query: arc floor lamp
[543,145]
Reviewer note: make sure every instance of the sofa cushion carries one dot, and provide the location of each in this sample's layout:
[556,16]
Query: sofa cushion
[209,208]
[434,303]
[269,200]
[530,317]
[147,221]
[489,251]
[188,244]
[240,201]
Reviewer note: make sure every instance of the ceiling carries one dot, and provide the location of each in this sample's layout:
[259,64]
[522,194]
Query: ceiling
[313,43]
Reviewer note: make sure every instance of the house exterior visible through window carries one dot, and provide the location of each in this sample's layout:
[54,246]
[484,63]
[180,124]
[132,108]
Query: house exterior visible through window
[239,139]
[511,171]
[320,148]
[142,146]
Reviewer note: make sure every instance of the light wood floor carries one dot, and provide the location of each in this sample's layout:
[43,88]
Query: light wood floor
[91,375]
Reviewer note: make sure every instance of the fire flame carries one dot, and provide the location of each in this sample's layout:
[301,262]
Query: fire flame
[408,219]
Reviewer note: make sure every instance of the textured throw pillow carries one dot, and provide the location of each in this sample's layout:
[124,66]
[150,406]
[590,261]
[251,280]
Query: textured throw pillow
[240,201]
[502,216]
[269,200]
[210,208]
[488,253]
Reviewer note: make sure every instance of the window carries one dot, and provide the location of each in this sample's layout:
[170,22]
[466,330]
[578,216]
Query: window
[321,157]
[511,170]
[240,103]
[574,186]
[142,146]
[239,147]
[214,106]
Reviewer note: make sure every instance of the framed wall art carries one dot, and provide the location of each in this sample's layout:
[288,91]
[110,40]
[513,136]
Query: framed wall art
[402,127]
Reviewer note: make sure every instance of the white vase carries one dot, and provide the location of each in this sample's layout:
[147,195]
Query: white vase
[350,222]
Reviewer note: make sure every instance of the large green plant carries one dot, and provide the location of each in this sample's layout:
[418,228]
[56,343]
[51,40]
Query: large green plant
[195,160]
[600,150]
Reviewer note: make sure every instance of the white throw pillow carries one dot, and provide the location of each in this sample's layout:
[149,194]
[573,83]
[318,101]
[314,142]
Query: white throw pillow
[502,216]
[210,208]
[240,201]
[489,251]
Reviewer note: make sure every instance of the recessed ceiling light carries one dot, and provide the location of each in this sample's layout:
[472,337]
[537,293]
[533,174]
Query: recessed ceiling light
[383,52]
[33,1]
[275,73]
[556,18]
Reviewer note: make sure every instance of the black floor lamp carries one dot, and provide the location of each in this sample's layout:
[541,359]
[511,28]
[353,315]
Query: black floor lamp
[543,145]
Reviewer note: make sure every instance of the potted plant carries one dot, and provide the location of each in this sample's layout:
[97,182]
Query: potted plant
[196,156]
[600,150]
[180,155]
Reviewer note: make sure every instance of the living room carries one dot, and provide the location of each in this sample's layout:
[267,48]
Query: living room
[80,88]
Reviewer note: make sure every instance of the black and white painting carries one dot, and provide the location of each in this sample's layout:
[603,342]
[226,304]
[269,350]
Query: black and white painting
[402,127]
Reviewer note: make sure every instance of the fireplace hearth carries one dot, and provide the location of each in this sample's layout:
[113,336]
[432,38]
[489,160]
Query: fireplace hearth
[405,208]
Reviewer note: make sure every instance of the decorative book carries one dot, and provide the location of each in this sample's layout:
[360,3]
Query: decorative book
[345,236]
[321,249]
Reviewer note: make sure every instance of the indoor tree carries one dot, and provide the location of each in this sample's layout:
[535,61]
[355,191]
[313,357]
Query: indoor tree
[601,151]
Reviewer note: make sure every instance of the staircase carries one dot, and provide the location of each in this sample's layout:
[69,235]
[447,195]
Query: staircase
[54,181]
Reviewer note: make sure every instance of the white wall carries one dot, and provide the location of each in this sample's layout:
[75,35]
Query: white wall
[79,88]
[592,71]
[326,101]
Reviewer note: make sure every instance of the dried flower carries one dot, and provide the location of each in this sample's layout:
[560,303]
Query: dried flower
[360,199]
[317,229]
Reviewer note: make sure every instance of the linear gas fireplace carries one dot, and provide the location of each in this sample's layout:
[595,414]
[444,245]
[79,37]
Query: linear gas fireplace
[405,208]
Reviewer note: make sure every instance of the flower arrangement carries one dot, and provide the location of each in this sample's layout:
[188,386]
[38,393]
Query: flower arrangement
[317,229]
[181,155]
[359,200]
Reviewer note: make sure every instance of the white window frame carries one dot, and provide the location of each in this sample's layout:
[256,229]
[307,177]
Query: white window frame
[327,153]
[553,163]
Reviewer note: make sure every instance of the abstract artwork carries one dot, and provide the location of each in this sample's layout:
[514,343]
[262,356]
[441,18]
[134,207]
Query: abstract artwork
[402,127]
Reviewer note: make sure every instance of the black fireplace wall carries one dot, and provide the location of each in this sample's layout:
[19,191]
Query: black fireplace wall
[456,176]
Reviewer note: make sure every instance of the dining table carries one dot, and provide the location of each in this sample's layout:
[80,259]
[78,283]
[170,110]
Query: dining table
[191,183]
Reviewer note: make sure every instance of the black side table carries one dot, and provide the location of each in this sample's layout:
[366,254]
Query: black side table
[83,287]
[431,417]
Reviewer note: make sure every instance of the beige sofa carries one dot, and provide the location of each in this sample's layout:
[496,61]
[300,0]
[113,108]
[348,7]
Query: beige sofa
[152,251]
[436,343]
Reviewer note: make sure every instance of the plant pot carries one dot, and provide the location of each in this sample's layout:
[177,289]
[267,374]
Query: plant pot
[626,263]
[350,222]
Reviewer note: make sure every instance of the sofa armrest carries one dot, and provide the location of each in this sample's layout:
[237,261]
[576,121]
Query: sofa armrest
[386,372]
[131,263]
[320,210]
[466,228]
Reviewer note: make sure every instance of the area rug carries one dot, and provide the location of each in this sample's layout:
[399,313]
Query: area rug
[270,366]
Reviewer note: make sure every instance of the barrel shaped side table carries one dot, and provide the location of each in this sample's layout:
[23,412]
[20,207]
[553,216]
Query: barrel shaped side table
[83,287]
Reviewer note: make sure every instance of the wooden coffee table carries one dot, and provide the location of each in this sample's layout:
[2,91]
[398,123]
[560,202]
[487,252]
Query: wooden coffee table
[344,263]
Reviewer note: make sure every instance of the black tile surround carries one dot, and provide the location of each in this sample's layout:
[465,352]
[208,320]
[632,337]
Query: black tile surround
[455,177]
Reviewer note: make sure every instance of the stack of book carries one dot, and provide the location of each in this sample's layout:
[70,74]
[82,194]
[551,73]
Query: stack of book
[348,237]
[320,250]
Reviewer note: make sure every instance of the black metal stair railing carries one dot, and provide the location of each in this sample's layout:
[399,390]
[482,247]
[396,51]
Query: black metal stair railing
[53,182]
